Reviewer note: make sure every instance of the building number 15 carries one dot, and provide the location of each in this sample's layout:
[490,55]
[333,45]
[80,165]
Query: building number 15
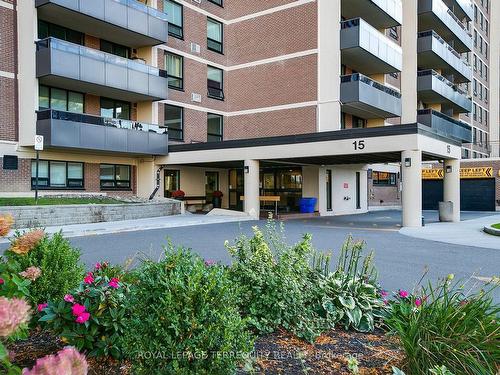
[359,145]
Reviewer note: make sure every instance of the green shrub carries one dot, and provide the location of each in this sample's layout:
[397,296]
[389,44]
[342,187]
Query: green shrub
[274,281]
[350,295]
[59,265]
[183,318]
[91,317]
[448,328]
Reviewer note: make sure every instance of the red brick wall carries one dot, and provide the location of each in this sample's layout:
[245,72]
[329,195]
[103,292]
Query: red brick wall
[8,109]
[92,104]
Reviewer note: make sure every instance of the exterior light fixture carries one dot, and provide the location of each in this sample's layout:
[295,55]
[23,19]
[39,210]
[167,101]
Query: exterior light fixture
[449,169]
[247,169]
[407,162]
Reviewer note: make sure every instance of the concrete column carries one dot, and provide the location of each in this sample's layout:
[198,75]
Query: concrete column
[409,73]
[251,186]
[146,176]
[411,168]
[451,186]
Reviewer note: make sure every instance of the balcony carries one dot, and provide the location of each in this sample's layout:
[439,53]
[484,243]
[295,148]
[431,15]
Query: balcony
[433,88]
[445,125]
[381,14]
[367,50]
[462,8]
[435,53]
[74,67]
[366,98]
[127,22]
[435,15]
[85,132]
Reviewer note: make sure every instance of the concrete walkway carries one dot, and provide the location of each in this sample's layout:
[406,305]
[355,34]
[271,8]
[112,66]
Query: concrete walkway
[467,233]
[79,230]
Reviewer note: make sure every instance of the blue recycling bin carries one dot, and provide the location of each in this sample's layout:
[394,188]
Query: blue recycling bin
[307,205]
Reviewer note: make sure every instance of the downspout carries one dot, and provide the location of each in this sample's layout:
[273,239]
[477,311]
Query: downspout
[158,181]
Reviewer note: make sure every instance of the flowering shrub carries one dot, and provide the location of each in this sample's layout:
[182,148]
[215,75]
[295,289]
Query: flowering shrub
[178,194]
[67,361]
[50,265]
[445,327]
[6,222]
[90,317]
[217,194]
[184,318]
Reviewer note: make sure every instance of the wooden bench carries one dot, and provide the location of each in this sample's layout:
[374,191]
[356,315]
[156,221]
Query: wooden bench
[268,198]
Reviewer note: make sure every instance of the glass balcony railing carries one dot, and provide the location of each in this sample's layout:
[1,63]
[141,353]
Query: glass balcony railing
[52,114]
[377,85]
[392,7]
[445,125]
[76,49]
[454,87]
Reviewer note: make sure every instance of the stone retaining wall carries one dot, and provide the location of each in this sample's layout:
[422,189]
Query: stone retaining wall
[45,216]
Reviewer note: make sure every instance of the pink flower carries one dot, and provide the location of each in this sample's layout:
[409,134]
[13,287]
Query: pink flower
[13,313]
[418,302]
[82,318]
[2,281]
[210,262]
[67,361]
[403,293]
[78,309]
[89,279]
[114,283]
[31,273]
[384,293]
[42,306]
[97,266]
[69,298]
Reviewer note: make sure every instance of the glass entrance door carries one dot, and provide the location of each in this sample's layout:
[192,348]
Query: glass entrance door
[211,184]
[236,189]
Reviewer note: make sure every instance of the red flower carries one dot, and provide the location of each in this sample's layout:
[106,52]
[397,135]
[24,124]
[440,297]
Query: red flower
[42,306]
[89,279]
[114,283]
[2,281]
[82,318]
[78,309]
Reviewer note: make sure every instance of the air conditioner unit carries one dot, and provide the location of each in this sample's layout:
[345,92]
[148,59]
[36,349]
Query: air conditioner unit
[195,48]
[196,97]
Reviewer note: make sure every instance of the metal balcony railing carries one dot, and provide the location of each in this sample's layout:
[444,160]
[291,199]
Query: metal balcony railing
[377,85]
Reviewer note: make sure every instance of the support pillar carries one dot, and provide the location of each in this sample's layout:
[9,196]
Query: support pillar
[251,186]
[411,170]
[146,176]
[451,186]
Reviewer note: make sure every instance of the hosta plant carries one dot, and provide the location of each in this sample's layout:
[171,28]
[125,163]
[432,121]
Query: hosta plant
[91,316]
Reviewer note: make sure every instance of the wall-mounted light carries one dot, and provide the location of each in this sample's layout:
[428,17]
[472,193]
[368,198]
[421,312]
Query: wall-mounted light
[247,169]
[407,162]
[449,169]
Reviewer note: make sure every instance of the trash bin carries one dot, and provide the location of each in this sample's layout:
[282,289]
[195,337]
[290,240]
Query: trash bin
[446,212]
[307,205]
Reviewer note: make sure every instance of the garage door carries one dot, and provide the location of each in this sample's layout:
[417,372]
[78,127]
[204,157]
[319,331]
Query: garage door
[475,194]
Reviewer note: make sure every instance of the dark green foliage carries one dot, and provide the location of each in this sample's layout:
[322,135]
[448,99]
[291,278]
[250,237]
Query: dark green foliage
[60,265]
[183,318]
[450,328]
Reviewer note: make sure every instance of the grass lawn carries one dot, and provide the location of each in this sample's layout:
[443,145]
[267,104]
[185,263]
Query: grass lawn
[496,226]
[48,201]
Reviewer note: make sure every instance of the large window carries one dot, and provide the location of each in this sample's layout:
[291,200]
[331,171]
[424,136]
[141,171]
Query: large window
[174,120]
[215,83]
[115,109]
[59,99]
[115,176]
[214,128]
[175,68]
[172,182]
[384,178]
[57,174]
[115,49]
[46,29]
[214,35]
[174,15]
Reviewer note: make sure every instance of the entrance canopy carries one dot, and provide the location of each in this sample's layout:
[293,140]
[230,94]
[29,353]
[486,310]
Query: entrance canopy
[349,146]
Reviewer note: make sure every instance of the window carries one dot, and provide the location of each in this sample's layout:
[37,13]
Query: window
[175,69]
[174,120]
[172,182]
[115,109]
[174,15]
[59,99]
[214,128]
[358,122]
[46,30]
[57,174]
[115,176]
[115,49]
[218,2]
[215,83]
[384,178]
[214,35]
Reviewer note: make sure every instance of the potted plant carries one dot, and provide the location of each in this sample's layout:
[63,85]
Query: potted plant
[217,198]
[178,194]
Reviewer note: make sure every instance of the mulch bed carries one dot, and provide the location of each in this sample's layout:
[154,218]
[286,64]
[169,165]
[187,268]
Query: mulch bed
[277,353]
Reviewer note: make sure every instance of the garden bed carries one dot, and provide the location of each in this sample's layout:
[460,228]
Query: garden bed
[277,353]
[493,229]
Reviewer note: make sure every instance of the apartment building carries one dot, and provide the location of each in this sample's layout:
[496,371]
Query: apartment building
[341,100]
